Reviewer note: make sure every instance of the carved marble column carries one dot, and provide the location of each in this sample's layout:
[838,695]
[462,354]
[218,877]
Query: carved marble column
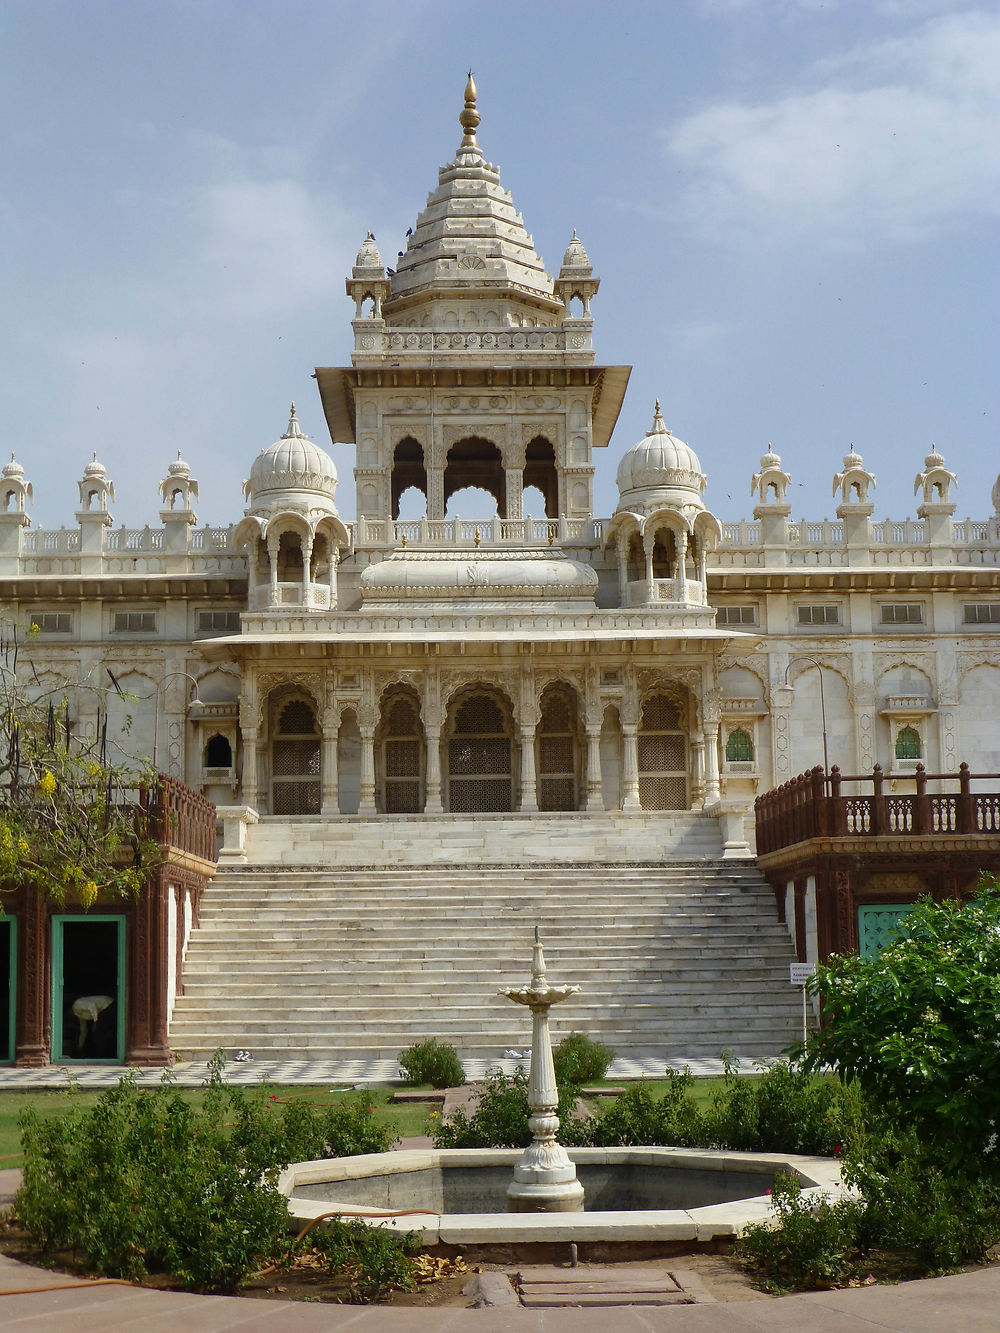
[433,804]
[697,772]
[529,793]
[435,492]
[712,790]
[367,804]
[621,551]
[250,794]
[682,545]
[514,492]
[307,550]
[593,795]
[273,541]
[330,799]
[630,767]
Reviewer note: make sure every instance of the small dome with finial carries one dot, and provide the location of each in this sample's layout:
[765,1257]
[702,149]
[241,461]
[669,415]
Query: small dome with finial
[178,468]
[575,256]
[13,469]
[291,465]
[660,469]
[94,470]
[368,256]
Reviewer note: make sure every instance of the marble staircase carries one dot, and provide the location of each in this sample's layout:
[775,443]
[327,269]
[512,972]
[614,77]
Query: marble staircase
[681,955]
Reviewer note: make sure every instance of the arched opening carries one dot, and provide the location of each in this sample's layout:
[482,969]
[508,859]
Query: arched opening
[295,760]
[540,471]
[477,463]
[663,766]
[612,759]
[473,503]
[532,502]
[557,739]
[218,752]
[399,755]
[290,558]
[349,763]
[664,554]
[408,469]
[480,752]
[412,505]
[635,560]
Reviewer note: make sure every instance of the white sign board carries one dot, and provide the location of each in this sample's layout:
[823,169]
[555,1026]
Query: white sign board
[799,973]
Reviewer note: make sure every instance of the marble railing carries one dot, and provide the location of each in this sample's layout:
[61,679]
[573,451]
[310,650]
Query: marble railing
[820,544]
[575,336]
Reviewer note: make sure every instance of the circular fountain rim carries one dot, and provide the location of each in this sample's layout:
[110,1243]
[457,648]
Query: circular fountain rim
[818,1176]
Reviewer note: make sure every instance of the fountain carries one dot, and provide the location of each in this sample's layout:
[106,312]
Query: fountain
[640,1200]
[545,1178]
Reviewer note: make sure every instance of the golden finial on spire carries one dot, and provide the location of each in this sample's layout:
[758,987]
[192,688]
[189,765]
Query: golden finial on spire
[470,117]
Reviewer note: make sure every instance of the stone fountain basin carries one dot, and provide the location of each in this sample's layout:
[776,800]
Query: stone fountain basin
[456,1196]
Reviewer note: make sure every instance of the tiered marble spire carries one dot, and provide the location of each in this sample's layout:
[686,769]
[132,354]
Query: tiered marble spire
[470,235]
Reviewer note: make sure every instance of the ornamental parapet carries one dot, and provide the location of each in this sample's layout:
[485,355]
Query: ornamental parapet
[374,341]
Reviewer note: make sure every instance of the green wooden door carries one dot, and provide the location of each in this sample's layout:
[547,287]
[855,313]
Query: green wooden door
[88,989]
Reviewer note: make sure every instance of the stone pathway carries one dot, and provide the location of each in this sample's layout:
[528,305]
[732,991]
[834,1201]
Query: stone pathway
[31,1299]
[310,1072]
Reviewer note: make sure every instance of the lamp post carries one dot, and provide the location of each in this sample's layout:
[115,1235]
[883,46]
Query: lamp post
[787,685]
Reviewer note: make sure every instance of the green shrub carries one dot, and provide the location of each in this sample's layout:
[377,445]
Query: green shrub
[637,1117]
[432,1062]
[916,1025]
[579,1060]
[144,1182]
[374,1259]
[500,1117]
[812,1245]
[786,1109]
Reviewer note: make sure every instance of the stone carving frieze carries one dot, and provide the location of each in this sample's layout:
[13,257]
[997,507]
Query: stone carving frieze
[967,661]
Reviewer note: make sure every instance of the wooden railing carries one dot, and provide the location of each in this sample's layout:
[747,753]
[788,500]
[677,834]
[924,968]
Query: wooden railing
[180,819]
[813,806]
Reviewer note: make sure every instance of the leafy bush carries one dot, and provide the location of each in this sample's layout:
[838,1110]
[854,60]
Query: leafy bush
[786,1109]
[432,1062]
[637,1117]
[373,1259]
[916,1027]
[144,1182]
[812,1245]
[500,1118]
[579,1060]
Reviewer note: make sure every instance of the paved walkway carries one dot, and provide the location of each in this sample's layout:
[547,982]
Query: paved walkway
[193,1073]
[33,1299]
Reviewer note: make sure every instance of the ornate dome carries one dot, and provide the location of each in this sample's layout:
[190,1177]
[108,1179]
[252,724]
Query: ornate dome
[660,469]
[368,256]
[575,256]
[292,469]
[13,469]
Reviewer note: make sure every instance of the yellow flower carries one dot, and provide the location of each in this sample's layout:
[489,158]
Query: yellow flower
[88,893]
[47,783]
[22,847]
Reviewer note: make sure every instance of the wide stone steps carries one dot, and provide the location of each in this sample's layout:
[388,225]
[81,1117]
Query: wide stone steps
[682,958]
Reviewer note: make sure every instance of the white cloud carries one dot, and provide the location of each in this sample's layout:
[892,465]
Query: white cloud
[897,139]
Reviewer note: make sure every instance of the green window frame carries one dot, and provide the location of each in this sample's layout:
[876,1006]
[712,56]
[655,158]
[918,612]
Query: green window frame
[908,743]
[59,923]
[739,747]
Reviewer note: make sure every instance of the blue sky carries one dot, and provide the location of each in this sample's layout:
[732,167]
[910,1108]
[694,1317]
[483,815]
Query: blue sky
[792,206]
